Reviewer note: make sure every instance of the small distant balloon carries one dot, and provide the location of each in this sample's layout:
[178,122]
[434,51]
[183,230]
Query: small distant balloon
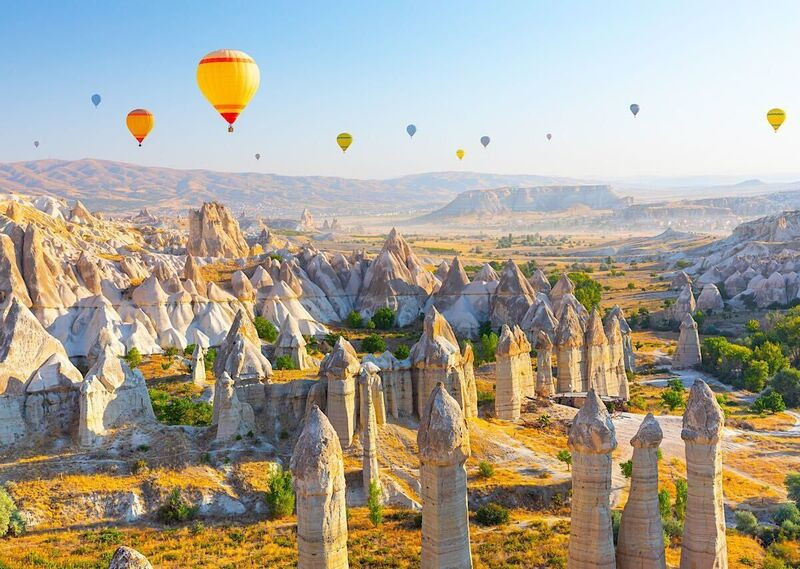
[635,109]
[460,154]
[344,140]
[36,143]
[775,117]
[140,122]
[96,100]
[411,130]
[485,140]
[258,156]
[549,136]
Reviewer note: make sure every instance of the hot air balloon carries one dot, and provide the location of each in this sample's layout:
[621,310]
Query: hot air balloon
[36,144]
[228,78]
[485,140]
[775,117]
[258,156]
[96,100]
[411,130]
[635,109]
[344,140]
[140,122]
[549,136]
[460,154]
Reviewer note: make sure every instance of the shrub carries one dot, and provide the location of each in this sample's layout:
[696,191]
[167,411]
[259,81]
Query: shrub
[487,348]
[285,362]
[189,350]
[792,483]
[746,522]
[681,495]
[133,357]
[373,343]
[370,324]
[402,352]
[280,493]
[492,515]
[786,512]
[770,402]
[173,410]
[755,375]
[354,319]
[787,383]
[17,525]
[773,355]
[627,468]
[384,318]
[209,357]
[566,457]
[616,520]
[138,466]
[772,562]
[587,290]
[7,508]
[485,469]
[672,399]
[374,503]
[664,504]
[175,510]
[265,329]
[631,286]
[171,351]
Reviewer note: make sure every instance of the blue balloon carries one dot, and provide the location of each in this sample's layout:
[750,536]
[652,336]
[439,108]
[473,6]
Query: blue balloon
[485,141]
[96,100]
[411,130]
[635,109]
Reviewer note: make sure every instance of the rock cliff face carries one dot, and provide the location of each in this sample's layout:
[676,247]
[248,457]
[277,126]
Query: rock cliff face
[213,232]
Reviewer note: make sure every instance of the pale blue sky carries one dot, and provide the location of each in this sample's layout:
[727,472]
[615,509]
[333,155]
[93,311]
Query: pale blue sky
[704,73]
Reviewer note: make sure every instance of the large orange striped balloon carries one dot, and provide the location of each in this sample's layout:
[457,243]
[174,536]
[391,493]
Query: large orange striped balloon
[228,78]
[140,122]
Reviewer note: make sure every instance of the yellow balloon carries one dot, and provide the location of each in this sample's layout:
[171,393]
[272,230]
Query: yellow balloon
[140,122]
[228,78]
[344,140]
[460,154]
[775,117]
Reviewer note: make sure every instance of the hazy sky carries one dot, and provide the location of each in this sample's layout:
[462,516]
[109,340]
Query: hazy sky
[704,73]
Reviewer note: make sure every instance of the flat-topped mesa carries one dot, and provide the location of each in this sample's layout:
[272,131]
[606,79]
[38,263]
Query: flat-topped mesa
[628,356]
[640,544]
[319,485]
[192,272]
[340,368]
[128,558]
[597,361]
[290,342]
[684,304]
[616,380]
[443,441]
[703,543]
[545,385]
[591,440]
[507,401]
[569,353]
[368,383]
[436,358]
[687,353]
[213,232]
[198,366]
[512,298]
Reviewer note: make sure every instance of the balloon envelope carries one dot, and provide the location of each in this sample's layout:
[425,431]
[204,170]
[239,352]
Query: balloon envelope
[344,140]
[140,122]
[36,143]
[549,136]
[96,100]
[485,140]
[635,109]
[775,117]
[411,130]
[228,79]
[460,154]
[258,156]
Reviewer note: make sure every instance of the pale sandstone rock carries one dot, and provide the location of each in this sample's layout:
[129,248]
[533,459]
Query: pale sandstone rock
[507,401]
[198,366]
[369,427]
[703,545]
[453,283]
[640,544]
[540,317]
[591,440]
[340,368]
[213,232]
[569,353]
[685,304]
[629,357]
[396,381]
[319,484]
[235,418]
[192,272]
[512,298]
[680,280]
[11,281]
[596,358]
[710,298]
[527,380]
[687,353]
[539,281]
[617,380]
[128,558]
[290,342]
[443,441]
[37,273]
[545,384]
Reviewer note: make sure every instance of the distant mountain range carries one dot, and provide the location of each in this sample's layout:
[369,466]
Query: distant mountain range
[116,186]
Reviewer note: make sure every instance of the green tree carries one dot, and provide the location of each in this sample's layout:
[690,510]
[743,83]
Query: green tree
[787,383]
[681,496]
[566,457]
[664,504]
[770,402]
[755,375]
[375,504]
[133,357]
[746,522]
[7,508]
[626,468]
[787,330]
[355,320]
[792,483]
[373,343]
[588,291]
[488,347]
[175,510]
[189,350]
[209,357]
[485,469]
[402,352]
[772,354]
[285,362]
[492,514]
[752,326]
[280,493]
[672,399]
[384,318]
[265,329]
